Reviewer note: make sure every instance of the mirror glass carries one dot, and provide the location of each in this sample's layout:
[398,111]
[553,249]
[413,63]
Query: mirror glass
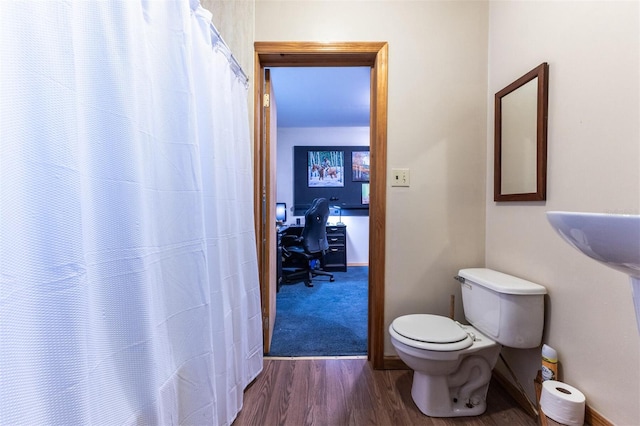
[520,138]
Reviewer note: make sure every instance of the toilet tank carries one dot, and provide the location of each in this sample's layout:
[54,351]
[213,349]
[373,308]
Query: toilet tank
[507,309]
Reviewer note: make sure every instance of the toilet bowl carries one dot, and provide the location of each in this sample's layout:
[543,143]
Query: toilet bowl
[452,362]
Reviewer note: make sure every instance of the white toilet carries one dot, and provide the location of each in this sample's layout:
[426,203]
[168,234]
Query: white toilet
[452,362]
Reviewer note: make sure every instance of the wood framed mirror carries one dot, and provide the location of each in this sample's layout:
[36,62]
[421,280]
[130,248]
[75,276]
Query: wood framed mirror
[520,156]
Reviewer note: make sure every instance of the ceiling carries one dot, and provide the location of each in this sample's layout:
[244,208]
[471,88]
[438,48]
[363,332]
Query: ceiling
[322,96]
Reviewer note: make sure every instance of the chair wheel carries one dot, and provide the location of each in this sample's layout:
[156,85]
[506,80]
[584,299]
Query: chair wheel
[332,279]
[308,284]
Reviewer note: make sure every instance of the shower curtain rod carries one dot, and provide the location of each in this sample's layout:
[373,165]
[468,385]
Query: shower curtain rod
[235,65]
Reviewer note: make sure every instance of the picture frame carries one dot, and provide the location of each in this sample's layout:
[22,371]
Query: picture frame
[360,166]
[325,169]
[365,193]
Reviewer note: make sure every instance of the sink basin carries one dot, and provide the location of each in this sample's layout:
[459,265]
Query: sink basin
[611,239]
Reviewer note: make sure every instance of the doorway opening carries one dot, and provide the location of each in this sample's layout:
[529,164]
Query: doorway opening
[287,54]
[323,116]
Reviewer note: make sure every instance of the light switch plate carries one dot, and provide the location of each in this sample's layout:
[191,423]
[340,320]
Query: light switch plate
[400,177]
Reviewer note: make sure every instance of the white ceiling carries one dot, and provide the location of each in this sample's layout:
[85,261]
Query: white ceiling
[322,96]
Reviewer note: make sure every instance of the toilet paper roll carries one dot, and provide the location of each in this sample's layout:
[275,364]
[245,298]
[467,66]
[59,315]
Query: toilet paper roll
[562,402]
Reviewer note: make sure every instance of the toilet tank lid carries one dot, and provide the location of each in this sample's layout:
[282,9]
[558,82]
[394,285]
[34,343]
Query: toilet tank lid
[501,282]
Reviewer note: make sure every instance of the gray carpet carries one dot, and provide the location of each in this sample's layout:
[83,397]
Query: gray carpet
[327,319]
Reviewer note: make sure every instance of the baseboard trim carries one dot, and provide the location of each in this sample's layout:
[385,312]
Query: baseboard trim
[358,264]
[514,392]
[593,418]
[393,363]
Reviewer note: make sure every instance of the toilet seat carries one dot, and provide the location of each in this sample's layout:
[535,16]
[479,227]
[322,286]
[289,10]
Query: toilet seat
[431,332]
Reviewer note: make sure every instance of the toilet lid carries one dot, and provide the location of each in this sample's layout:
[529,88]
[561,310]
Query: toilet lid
[430,329]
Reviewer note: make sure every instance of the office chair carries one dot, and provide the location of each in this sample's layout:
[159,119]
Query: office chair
[310,246]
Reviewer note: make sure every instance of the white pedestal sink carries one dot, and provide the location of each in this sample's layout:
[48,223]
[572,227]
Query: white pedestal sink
[612,239]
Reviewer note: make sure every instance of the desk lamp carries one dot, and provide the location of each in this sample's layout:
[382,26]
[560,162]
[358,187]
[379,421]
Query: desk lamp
[339,209]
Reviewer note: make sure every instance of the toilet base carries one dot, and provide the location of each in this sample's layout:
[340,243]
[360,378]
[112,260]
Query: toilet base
[441,404]
[462,393]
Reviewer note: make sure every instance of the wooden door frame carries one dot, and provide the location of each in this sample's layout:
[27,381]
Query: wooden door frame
[336,54]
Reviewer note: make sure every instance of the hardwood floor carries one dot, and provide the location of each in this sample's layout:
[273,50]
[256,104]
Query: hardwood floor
[344,391]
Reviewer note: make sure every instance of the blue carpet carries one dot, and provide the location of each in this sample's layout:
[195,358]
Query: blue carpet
[327,319]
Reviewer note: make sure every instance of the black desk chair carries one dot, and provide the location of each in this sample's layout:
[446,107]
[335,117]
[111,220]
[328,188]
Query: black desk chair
[309,247]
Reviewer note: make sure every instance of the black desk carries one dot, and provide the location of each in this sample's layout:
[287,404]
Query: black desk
[335,257]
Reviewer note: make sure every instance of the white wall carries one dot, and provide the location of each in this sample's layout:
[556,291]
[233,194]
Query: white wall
[288,137]
[436,128]
[594,166]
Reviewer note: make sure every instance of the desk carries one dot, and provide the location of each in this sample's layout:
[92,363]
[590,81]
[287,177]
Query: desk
[336,257]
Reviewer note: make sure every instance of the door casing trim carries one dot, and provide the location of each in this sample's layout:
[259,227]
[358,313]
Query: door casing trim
[337,54]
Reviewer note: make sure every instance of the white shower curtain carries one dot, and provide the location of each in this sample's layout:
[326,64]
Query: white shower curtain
[128,274]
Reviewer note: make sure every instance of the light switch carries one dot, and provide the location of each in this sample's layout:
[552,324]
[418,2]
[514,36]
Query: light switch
[400,177]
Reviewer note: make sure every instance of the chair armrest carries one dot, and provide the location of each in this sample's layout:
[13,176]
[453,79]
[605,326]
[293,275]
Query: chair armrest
[290,240]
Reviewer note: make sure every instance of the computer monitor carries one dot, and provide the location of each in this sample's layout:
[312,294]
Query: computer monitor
[281,212]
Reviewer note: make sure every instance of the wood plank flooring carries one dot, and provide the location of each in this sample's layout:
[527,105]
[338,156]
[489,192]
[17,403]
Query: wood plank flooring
[347,391]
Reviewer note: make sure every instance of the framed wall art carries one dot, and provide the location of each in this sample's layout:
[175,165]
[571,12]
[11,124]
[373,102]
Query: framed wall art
[365,193]
[360,166]
[325,169]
